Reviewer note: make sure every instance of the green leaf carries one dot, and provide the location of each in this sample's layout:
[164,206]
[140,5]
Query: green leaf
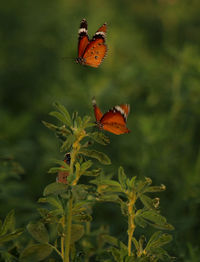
[55,188]
[77,231]
[65,113]
[9,223]
[94,172]
[53,170]
[59,116]
[124,207]
[147,202]
[86,122]
[115,253]
[82,218]
[136,244]
[158,239]
[86,165]
[113,241]
[71,178]
[108,198]
[11,236]
[122,177]
[157,220]
[132,182]
[139,220]
[50,126]
[36,252]
[100,138]
[68,143]
[54,201]
[155,188]
[154,217]
[101,157]
[143,185]
[110,182]
[38,231]
[62,163]
[160,254]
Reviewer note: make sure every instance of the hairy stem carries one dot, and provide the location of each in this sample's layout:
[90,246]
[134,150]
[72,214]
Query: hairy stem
[131,225]
[68,231]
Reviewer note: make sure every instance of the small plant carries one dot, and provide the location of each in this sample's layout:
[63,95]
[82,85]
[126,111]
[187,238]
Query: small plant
[126,192]
[63,231]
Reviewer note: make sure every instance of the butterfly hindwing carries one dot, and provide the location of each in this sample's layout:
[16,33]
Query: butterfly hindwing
[116,129]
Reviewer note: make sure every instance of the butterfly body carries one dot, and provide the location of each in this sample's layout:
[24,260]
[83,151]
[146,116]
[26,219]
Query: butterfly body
[113,121]
[91,52]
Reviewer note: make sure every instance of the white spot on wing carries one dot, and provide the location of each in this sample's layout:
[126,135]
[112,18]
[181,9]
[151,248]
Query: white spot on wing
[100,33]
[81,30]
[119,109]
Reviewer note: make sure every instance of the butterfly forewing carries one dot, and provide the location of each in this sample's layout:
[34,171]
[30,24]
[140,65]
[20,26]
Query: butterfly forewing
[83,39]
[113,117]
[125,109]
[118,114]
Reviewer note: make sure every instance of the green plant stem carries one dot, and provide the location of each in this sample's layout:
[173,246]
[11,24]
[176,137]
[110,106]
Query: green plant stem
[131,225]
[75,150]
[59,253]
[68,231]
[62,246]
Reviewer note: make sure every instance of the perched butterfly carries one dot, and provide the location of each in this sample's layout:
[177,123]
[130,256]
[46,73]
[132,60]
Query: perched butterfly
[114,120]
[62,175]
[91,52]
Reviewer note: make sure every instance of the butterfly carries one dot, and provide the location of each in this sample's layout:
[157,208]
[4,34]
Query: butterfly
[91,52]
[62,175]
[113,121]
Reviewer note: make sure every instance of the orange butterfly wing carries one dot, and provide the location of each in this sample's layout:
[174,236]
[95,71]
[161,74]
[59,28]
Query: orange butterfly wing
[114,120]
[83,39]
[83,43]
[95,53]
[97,111]
[116,129]
[91,52]
[97,49]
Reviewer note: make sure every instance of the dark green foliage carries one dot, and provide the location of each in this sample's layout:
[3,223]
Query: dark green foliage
[152,63]
[8,236]
[127,192]
[36,252]
[66,212]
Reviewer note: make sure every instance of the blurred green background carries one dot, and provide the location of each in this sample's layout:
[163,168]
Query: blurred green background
[153,63]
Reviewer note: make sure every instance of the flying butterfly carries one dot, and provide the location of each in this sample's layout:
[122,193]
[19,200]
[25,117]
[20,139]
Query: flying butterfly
[91,52]
[113,121]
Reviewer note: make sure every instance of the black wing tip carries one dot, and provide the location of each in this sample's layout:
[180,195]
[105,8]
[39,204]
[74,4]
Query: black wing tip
[83,23]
